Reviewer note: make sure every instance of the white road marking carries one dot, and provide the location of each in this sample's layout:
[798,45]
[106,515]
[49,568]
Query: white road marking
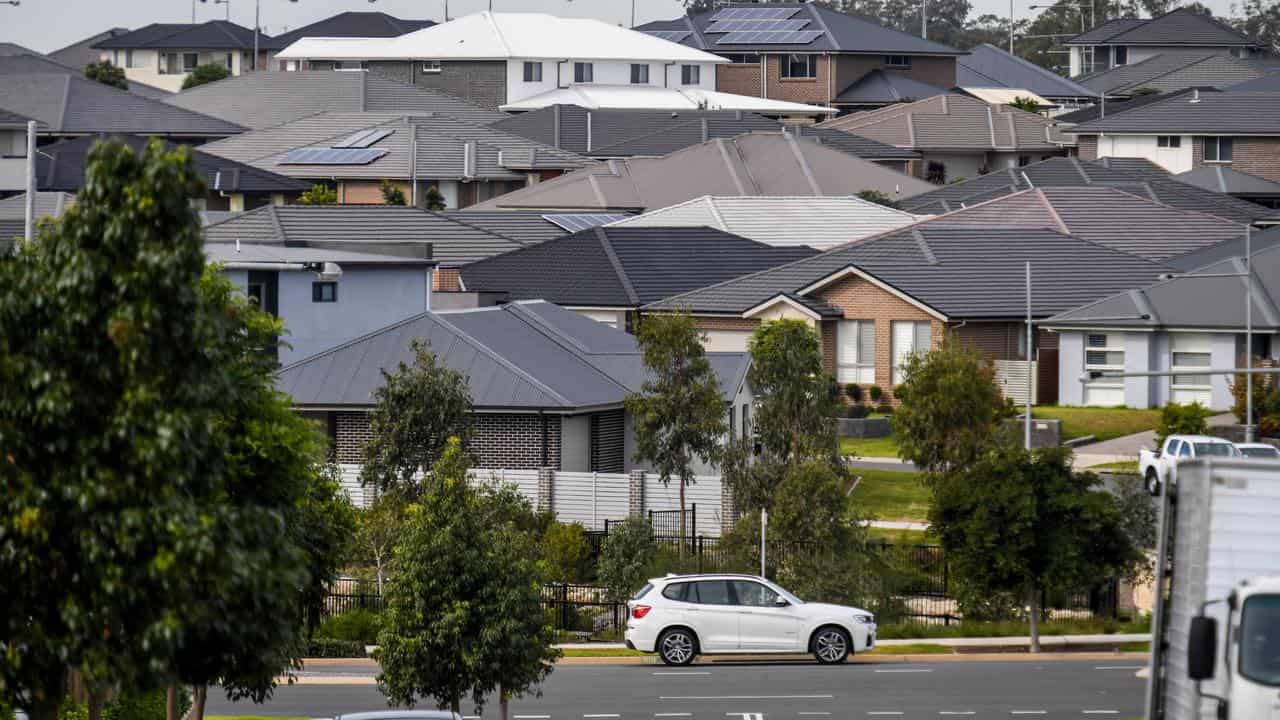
[531,717]
[957,712]
[673,714]
[909,670]
[813,713]
[1119,667]
[745,697]
[694,672]
[1028,712]
[1100,712]
[603,715]
[885,712]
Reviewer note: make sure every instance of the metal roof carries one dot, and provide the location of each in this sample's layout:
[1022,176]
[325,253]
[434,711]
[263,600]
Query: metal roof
[988,66]
[288,254]
[1184,26]
[1229,180]
[1215,113]
[1177,70]
[520,356]
[210,35]
[882,87]
[650,97]
[953,122]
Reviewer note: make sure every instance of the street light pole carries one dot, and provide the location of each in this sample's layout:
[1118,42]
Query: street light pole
[1010,27]
[924,19]
[1248,332]
[1030,366]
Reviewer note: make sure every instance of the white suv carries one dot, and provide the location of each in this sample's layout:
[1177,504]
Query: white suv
[682,616]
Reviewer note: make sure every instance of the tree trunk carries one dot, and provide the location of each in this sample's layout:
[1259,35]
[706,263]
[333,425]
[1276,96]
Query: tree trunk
[199,695]
[94,704]
[503,703]
[1035,618]
[171,703]
[683,530]
[46,710]
[456,705]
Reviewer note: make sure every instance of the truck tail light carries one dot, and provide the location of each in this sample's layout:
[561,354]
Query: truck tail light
[638,612]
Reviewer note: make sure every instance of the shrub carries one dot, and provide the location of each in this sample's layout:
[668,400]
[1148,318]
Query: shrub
[359,626]
[319,195]
[625,558]
[856,411]
[900,392]
[330,648]
[128,706]
[878,198]
[1266,402]
[434,200]
[884,409]
[853,391]
[875,393]
[1179,419]
[391,193]
[566,553]
[207,73]
[107,74]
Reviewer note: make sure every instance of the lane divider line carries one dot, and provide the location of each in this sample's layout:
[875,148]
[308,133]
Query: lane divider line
[673,715]
[813,713]
[742,697]
[885,712]
[1100,712]
[678,674]
[1028,712]
[907,670]
[603,715]
[957,712]
[1119,667]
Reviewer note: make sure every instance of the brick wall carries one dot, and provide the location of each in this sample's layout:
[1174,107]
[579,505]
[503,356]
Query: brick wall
[498,440]
[367,192]
[1087,147]
[936,71]
[815,91]
[352,434]
[1255,155]
[446,280]
[724,323]
[483,82]
[739,79]
[829,346]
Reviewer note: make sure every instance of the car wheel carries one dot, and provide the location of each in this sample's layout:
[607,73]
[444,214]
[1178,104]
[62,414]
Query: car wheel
[677,647]
[1153,482]
[831,645]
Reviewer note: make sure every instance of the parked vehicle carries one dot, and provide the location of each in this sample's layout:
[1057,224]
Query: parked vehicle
[1159,467]
[1258,450]
[683,616]
[1216,631]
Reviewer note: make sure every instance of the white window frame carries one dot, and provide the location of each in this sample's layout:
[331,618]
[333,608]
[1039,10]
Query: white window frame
[1215,141]
[1193,386]
[584,72]
[1169,141]
[900,353]
[897,61]
[431,67]
[532,72]
[690,75]
[811,66]
[1109,345]
[856,360]
[639,73]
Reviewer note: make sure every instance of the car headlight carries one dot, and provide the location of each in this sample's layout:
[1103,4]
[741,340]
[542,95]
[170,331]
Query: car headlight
[865,619]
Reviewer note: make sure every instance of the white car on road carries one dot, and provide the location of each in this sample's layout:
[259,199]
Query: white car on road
[1159,467]
[683,616]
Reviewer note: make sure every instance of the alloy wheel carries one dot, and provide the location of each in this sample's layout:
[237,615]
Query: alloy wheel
[831,646]
[677,648]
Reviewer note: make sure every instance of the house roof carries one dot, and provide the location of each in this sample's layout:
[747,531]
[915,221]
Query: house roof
[881,87]
[502,36]
[352,25]
[68,104]
[817,222]
[965,264]
[953,122]
[651,97]
[828,31]
[8,48]
[1220,251]
[210,35]
[519,356]
[1115,107]
[266,99]
[1176,70]
[13,119]
[752,164]
[988,66]
[1269,82]
[1229,180]
[1214,113]
[624,266]
[287,254]
[1132,175]
[1184,26]
[48,204]
[26,63]
[84,52]
[1190,302]
[61,166]
[527,227]
[362,227]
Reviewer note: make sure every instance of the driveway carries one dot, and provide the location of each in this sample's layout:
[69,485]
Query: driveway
[1127,447]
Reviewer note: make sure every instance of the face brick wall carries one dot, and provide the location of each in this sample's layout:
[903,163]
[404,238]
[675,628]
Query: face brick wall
[814,91]
[1255,155]
[739,79]
[1087,147]
[446,280]
[724,323]
[498,440]
[367,192]
[483,82]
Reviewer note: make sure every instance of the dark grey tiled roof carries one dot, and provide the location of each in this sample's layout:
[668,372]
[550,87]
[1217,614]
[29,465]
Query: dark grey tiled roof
[1115,107]
[841,33]
[28,63]
[1229,180]
[211,35]
[880,87]
[13,119]
[1233,113]
[625,266]
[1183,26]
[1218,252]
[8,49]
[988,66]
[526,227]
[1169,71]
[525,356]
[84,52]
[1266,83]
[48,204]
[609,128]
[351,24]
[1108,29]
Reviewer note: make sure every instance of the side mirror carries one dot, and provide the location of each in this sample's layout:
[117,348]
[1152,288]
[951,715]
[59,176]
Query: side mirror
[1202,648]
[780,602]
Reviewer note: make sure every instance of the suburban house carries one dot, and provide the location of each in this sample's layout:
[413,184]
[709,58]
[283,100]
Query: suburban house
[607,273]
[547,384]
[1237,183]
[1173,71]
[1135,175]
[494,59]
[804,221]
[13,214]
[877,300]
[1240,130]
[752,164]
[959,136]
[804,52]
[467,163]
[1126,41]
[987,66]
[267,99]
[530,227]
[1115,106]
[347,25]
[164,54]
[671,99]
[883,87]
[33,62]
[86,52]
[1184,323]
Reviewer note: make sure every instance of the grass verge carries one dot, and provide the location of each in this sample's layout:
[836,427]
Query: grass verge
[602,652]
[914,649]
[1123,466]
[911,631]
[1102,423]
[898,537]
[889,495]
[869,447]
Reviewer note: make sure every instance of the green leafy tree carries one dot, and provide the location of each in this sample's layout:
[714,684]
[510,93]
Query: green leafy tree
[1014,521]
[878,198]
[435,201]
[391,193]
[464,616]
[107,74]
[319,195]
[1025,104]
[416,410]
[565,552]
[1182,419]
[1260,20]
[378,529]
[1266,401]
[679,412]
[795,402]
[207,73]
[625,558]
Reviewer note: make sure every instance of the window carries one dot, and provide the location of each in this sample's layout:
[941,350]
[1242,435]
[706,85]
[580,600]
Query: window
[639,74]
[746,421]
[128,58]
[190,61]
[753,594]
[227,60]
[856,351]
[1260,639]
[1217,149]
[902,61]
[431,67]
[1104,351]
[1122,55]
[1240,52]
[909,337]
[799,66]
[676,591]
[733,416]
[583,72]
[1190,351]
[1169,141]
[1184,450]
[257,294]
[533,72]
[1024,160]
[642,591]
[711,592]
[742,58]
[325,292]
[690,74]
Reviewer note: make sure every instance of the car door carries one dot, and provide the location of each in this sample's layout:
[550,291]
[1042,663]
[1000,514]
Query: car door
[762,623]
[713,615]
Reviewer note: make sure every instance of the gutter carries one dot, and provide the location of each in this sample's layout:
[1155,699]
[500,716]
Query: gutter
[263,266]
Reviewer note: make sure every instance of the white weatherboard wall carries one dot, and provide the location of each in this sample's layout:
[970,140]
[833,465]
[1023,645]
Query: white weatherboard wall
[590,498]
[705,492]
[1175,160]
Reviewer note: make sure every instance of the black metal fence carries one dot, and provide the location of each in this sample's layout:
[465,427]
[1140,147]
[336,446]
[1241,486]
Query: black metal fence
[346,594]
[584,612]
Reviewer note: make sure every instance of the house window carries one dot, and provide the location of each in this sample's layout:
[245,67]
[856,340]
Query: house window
[533,72]
[128,58]
[190,61]
[1104,351]
[1218,149]
[690,74]
[583,72]
[324,292]
[742,58]
[856,352]
[227,60]
[909,337]
[1192,352]
[899,61]
[1122,55]
[639,74]
[746,421]
[1169,141]
[1024,160]
[799,66]
[431,67]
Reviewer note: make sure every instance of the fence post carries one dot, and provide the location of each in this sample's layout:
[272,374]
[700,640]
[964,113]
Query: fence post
[595,523]
[700,570]
[546,489]
[564,607]
[693,523]
[635,493]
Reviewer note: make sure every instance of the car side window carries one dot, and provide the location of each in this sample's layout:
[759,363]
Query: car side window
[714,592]
[1172,449]
[676,591]
[753,594]
[1184,449]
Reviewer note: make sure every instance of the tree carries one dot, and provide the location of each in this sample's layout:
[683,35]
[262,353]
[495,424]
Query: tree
[1266,401]
[1024,522]
[565,552]
[1260,20]
[679,412]
[207,73]
[319,195]
[391,193]
[625,557]
[435,201]
[1026,104]
[878,198]
[378,528]
[1182,419]
[950,408]
[107,74]
[695,7]
[416,410]
[795,405]
[464,616]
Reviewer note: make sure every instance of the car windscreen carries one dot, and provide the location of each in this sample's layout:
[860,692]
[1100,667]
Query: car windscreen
[1260,639]
[1215,449]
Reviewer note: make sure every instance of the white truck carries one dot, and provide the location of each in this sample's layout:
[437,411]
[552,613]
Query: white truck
[1160,466]
[1216,635]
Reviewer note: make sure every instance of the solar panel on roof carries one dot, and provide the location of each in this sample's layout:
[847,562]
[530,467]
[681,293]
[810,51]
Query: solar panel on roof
[723,26]
[333,156]
[363,138]
[793,37]
[755,13]
[671,35]
[575,222]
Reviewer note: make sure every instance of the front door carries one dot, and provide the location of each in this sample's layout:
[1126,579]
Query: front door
[762,623]
[713,615]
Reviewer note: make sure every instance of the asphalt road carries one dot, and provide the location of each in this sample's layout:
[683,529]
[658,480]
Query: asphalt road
[777,691]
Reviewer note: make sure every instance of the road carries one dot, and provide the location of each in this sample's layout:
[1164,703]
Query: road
[1078,689]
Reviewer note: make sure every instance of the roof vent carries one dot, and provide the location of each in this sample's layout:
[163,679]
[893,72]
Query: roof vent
[1195,95]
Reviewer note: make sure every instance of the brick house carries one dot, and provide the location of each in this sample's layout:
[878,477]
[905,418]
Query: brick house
[547,385]
[810,54]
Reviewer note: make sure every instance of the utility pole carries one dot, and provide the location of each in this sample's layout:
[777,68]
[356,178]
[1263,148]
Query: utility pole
[764,531]
[1030,365]
[1248,332]
[1010,27]
[29,230]
[924,19]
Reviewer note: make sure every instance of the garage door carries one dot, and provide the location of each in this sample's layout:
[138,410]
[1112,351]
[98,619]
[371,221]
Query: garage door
[727,340]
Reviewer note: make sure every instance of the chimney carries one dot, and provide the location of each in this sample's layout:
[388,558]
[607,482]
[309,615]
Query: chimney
[1195,95]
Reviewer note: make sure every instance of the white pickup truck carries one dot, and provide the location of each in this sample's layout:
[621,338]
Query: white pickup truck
[1158,467]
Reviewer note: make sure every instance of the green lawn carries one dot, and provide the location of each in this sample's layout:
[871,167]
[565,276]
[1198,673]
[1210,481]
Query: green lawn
[1102,423]
[1129,466]
[601,652]
[898,537]
[889,495]
[914,649]
[869,447]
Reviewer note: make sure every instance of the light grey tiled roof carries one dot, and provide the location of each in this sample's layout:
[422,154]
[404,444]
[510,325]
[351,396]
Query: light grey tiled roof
[83,52]
[1216,113]
[953,122]
[880,87]
[1171,71]
[48,204]
[988,66]
[584,131]
[242,252]
[1229,180]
